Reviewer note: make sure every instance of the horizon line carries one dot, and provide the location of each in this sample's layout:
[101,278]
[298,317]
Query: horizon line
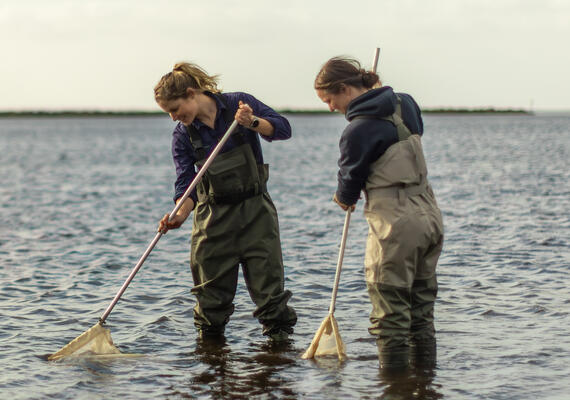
[286,110]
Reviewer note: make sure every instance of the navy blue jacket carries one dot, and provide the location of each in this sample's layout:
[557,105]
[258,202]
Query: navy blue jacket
[364,141]
[183,153]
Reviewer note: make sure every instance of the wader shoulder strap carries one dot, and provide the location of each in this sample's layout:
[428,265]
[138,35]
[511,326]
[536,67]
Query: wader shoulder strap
[196,141]
[396,119]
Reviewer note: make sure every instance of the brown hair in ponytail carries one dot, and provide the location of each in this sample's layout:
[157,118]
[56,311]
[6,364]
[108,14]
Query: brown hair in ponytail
[344,70]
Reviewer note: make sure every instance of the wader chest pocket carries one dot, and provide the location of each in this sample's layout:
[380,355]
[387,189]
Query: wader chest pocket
[232,176]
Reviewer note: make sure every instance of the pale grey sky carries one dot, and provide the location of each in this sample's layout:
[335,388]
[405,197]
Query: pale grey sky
[108,54]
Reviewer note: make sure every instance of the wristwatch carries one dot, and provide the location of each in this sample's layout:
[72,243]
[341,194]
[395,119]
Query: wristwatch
[254,122]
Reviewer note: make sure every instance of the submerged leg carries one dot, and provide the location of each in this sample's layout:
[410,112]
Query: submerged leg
[391,320]
[422,331]
[423,297]
[215,274]
[263,269]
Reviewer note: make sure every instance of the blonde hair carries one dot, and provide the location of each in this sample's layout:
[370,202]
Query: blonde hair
[184,75]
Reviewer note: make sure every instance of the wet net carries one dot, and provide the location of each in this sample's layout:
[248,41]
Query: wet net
[94,341]
[327,341]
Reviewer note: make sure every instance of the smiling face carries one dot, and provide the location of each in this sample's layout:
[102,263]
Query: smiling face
[336,101]
[182,109]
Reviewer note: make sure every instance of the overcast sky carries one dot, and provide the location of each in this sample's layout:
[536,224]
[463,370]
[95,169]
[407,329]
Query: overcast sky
[109,54]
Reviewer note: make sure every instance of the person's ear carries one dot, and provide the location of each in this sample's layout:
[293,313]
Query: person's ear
[190,93]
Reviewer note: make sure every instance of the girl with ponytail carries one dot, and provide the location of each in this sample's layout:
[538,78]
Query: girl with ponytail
[235,222]
[381,154]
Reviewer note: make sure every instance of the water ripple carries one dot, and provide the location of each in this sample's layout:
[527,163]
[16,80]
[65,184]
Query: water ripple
[82,198]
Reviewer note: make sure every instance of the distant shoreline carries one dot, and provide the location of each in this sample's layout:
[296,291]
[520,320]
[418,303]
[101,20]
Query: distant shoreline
[88,113]
[432,111]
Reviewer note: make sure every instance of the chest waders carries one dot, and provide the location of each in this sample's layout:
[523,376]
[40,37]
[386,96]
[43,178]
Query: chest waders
[235,222]
[404,243]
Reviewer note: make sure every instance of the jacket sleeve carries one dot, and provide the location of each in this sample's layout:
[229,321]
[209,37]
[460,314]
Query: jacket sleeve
[279,122]
[183,157]
[362,142]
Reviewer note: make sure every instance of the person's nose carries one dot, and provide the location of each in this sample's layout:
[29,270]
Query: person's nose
[173,116]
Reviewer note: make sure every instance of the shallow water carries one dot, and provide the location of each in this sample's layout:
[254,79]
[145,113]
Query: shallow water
[79,203]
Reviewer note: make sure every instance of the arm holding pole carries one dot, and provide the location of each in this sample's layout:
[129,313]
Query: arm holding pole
[348,210]
[179,204]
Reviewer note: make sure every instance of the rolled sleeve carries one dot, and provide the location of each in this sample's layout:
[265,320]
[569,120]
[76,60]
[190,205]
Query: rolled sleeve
[281,126]
[282,129]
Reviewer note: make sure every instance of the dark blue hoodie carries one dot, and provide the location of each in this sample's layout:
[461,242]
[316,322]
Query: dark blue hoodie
[364,140]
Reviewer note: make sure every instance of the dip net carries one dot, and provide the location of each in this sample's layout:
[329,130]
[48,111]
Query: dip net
[94,341]
[327,341]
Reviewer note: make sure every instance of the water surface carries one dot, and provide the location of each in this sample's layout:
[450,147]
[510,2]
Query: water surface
[79,203]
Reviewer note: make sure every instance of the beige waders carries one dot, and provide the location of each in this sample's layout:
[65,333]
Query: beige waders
[404,243]
[235,222]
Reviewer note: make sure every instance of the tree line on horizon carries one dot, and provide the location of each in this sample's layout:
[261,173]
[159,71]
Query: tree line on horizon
[139,113]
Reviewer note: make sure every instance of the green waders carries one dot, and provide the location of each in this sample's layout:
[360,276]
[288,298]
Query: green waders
[404,243]
[235,222]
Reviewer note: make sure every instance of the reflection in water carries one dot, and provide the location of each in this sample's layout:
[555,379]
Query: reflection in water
[233,375]
[213,353]
[410,381]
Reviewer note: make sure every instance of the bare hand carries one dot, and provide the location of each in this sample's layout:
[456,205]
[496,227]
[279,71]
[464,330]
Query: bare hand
[183,212]
[164,225]
[244,114]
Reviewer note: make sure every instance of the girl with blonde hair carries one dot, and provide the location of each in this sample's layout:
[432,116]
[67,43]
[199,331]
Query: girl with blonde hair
[235,221]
